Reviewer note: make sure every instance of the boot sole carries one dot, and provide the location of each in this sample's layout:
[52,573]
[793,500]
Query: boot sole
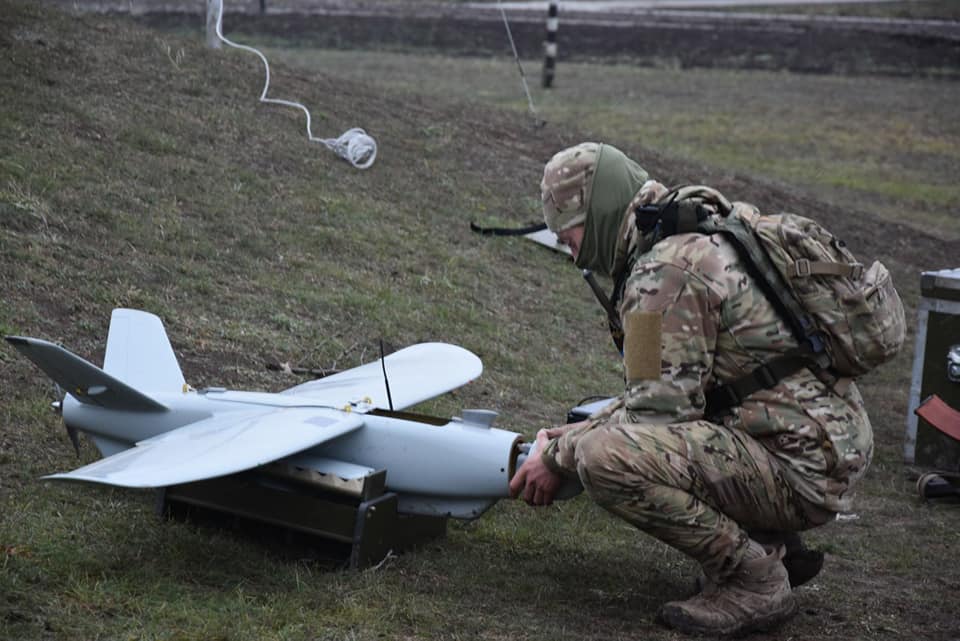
[680,621]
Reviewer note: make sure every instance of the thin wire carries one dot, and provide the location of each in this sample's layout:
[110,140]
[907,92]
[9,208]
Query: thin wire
[355,145]
[516,57]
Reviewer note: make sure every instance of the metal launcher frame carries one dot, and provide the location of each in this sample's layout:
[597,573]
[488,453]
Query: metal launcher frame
[357,518]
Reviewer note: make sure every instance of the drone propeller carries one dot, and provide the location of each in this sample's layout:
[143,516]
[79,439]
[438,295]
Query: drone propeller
[57,406]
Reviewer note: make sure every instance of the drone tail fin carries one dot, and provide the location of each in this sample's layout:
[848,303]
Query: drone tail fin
[139,353]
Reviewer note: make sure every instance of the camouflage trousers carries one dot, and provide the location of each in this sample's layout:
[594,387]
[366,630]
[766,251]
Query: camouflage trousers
[698,487]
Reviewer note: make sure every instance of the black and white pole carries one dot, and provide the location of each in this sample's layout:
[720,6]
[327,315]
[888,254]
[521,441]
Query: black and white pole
[214,7]
[550,46]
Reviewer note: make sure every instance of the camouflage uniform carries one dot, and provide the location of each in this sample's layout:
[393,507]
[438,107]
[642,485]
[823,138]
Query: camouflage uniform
[784,460]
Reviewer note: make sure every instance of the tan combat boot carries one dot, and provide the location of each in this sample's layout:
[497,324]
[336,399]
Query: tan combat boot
[755,597]
[802,563]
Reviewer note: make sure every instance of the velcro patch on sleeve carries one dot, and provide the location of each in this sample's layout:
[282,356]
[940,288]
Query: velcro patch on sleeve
[641,345]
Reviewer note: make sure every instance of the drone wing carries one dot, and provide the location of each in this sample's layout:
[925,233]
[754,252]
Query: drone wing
[217,446]
[415,374]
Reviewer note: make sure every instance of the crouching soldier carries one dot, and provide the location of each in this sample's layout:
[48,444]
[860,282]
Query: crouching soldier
[729,487]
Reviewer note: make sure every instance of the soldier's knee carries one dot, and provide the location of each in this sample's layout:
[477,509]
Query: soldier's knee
[612,463]
[594,447]
[600,464]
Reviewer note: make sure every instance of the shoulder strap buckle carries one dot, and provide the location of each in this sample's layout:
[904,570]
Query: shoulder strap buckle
[765,377]
[727,396]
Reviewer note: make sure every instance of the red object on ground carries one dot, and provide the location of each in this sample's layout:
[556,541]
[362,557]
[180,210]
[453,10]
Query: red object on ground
[943,417]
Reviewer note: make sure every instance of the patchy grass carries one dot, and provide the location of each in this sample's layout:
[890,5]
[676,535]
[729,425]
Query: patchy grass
[891,146]
[139,170]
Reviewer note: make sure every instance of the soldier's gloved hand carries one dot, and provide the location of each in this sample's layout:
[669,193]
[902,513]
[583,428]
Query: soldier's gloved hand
[534,479]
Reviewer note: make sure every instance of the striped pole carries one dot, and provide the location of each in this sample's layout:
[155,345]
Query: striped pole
[214,7]
[550,46]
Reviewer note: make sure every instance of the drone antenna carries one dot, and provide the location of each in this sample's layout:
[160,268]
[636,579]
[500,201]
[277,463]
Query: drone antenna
[386,381]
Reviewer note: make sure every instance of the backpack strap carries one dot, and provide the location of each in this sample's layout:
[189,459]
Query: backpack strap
[682,211]
[805,267]
[770,281]
[723,397]
[812,350]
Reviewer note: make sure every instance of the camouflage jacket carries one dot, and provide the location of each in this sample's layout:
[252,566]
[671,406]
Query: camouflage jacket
[715,326]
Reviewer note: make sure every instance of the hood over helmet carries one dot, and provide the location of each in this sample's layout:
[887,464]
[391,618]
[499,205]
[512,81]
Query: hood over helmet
[567,184]
[591,184]
[616,180]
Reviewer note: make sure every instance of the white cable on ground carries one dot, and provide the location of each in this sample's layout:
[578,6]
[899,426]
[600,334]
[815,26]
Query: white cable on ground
[355,146]
[523,77]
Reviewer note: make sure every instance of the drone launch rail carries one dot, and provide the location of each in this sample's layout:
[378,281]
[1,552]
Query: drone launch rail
[358,522]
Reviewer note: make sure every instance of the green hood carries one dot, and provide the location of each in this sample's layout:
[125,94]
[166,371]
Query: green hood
[616,181]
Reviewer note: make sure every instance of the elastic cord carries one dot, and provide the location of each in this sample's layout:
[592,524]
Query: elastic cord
[355,145]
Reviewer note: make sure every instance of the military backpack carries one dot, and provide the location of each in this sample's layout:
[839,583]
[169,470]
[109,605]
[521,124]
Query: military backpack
[846,318]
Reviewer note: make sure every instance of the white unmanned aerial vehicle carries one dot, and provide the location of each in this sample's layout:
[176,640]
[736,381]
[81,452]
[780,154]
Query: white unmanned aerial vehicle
[156,431]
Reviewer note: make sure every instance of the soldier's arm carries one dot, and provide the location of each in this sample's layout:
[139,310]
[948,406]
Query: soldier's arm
[671,317]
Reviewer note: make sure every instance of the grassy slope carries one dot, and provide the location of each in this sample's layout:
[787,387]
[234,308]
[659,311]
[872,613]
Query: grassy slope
[140,171]
[890,145]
